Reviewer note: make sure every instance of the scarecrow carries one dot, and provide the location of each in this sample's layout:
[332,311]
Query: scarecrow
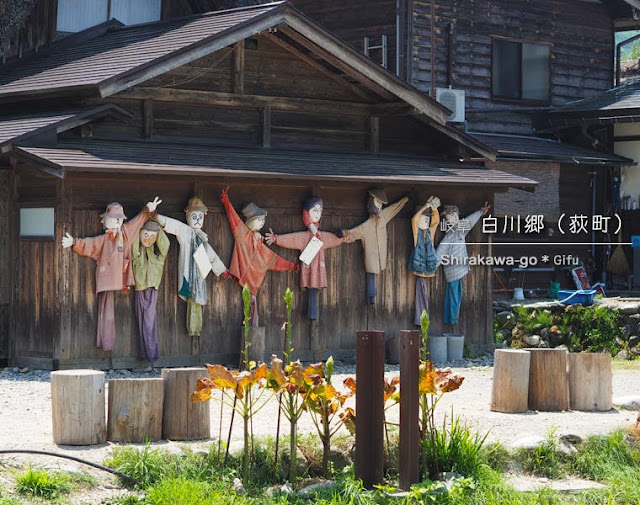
[112,253]
[312,243]
[196,259]
[251,257]
[373,233]
[423,261]
[453,246]
[148,255]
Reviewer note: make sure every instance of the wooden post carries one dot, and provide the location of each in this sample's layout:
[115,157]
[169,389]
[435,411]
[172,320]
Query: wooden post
[266,126]
[238,68]
[183,420]
[148,119]
[370,407]
[409,408]
[548,381]
[77,407]
[510,390]
[590,381]
[135,410]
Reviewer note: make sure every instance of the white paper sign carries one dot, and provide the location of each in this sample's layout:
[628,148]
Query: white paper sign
[313,247]
[202,261]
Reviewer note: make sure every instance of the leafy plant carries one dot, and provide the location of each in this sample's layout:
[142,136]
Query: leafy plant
[246,311]
[424,331]
[544,460]
[147,466]
[453,448]
[40,483]
[236,388]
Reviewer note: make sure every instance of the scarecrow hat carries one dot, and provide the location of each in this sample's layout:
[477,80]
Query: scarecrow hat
[252,211]
[196,205]
[311,202]
[379,194]
[114,210]
[151,226]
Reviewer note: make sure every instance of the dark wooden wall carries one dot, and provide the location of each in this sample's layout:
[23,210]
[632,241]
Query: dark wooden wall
[581,35]
[342,312]
[6,214]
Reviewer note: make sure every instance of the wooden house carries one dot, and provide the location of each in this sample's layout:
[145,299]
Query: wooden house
[259,98]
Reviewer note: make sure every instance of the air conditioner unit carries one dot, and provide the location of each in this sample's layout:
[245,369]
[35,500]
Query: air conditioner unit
[452,99]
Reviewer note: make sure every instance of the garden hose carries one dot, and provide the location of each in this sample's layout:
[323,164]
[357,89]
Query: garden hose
[72,458]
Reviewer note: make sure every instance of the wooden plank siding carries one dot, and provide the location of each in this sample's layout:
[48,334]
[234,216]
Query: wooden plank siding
[6,216]
[580,34]
[342,304]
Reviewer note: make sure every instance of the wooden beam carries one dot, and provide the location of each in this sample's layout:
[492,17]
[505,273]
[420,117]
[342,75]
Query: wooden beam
[317,65]
[266,126]
[237,73]
[31,160]
[374,134]
[221,99]
[337,63]
[148,119]
[359,64]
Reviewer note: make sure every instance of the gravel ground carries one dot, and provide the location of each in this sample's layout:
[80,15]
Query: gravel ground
[25,411]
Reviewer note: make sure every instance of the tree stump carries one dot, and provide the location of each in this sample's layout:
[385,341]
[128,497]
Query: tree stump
[548,380]
[590,381]
[135,410]
[77,407]
[510,392]
[183,420]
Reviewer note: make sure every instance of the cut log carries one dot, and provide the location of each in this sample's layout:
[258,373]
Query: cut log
[510,392]
[135,410]
[548,380]
[183,420]
[77,407]
[590,381]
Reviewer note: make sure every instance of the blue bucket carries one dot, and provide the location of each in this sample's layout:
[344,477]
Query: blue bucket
[572,297]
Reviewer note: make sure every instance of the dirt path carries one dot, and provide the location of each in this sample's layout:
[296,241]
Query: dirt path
[25,414]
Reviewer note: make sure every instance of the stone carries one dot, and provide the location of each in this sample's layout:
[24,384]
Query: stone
[570,438]
[530,442]
[628,309]
[314,488]
[544,344]
[633,319]
[236,448]
[626,332]
[238,487]
[627,402]
[283,490]
[566,448]
[622,355]
[526,483]
[25,370]
[506,319]
[634,341]
[532,340]
[544,334]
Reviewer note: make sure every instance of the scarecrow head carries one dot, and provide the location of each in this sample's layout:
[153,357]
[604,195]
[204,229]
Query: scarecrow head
[451,214]
[312,211]
[113,217]
[377,198]
[149,233]
[255,217]
[195,212]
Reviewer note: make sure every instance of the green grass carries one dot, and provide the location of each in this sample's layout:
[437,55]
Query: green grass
[43,484]
[625,364]
[544,460]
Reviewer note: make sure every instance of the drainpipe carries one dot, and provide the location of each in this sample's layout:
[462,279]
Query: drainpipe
[450,27]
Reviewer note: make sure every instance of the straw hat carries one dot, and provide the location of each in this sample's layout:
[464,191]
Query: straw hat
[114,210]
[196,205]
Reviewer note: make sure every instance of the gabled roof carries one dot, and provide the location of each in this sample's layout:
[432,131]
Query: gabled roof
[17,128]
[121,58]
[177,159]
[520,147]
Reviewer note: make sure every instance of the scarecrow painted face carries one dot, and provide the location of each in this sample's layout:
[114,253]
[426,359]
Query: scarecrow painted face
[195,219]
[148,237]
[256,223]
[315,213]
[425,221]
[112,223]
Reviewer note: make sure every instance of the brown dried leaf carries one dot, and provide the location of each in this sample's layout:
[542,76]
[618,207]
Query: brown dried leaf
[452,383]
[348,417]
[203,383]
[350,383]
[221,377]
[427,378]
[202,395]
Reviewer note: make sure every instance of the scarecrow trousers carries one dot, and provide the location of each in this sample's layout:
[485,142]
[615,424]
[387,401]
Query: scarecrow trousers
[147,315]
[422,298]
[106,336]
[452,301]
[194,318]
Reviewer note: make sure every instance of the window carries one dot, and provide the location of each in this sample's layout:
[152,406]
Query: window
[37,222]
[520,71]
[78,15]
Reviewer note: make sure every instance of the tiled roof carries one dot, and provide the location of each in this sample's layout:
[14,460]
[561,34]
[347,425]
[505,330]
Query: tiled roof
[621,98]
[156,158]
[539,149]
